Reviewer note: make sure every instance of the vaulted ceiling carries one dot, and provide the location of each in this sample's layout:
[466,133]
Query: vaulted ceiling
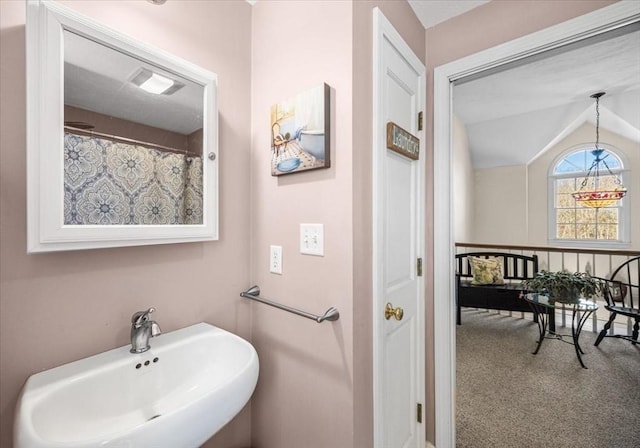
[514,115]
[517,112]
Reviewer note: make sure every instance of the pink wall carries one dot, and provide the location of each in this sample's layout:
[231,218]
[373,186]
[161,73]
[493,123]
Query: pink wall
[315,381]
[55,308]
[107,124]
[484,27]
[304,396]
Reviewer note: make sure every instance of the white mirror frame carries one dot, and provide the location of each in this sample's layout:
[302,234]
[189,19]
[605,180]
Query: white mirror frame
[46,231]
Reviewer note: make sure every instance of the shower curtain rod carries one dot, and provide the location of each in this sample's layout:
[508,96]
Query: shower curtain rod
[130,140]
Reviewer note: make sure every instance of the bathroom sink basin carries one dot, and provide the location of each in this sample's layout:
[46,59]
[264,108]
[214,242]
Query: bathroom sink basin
[183,390]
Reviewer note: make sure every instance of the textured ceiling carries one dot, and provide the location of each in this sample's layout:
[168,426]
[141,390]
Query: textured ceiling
[97,79]
[513,115]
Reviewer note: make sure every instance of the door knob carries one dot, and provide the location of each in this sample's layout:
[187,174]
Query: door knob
[389,311]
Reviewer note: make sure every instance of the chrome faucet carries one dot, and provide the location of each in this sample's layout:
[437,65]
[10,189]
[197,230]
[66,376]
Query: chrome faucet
[142,329]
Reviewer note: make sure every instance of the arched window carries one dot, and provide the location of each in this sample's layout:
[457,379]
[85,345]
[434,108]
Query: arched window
[570,222]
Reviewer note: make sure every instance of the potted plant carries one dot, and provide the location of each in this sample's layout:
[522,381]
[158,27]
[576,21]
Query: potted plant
[563,286]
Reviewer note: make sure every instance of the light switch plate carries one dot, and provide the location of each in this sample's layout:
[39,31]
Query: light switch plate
[312,239]
[275,259]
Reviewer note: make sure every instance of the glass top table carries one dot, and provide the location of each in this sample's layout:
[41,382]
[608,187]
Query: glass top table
[582,309]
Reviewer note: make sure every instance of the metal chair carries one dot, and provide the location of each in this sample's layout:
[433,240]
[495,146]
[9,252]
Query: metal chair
[622,294]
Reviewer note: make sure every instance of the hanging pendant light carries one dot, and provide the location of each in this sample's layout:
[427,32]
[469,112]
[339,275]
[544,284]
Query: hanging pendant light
[592,193]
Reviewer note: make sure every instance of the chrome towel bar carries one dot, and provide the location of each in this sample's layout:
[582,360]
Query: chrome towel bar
[253,293]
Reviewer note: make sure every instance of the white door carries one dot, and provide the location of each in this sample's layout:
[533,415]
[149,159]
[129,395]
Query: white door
[398,246]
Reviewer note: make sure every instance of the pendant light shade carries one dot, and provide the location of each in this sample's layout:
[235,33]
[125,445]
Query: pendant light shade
[596,191]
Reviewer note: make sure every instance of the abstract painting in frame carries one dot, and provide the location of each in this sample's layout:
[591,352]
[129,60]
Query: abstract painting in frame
[300,134]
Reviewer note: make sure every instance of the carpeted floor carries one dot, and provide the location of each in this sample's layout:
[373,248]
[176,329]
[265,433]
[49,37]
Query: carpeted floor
[507,397]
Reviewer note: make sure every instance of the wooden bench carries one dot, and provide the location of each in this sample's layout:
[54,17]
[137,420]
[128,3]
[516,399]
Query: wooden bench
[515,268]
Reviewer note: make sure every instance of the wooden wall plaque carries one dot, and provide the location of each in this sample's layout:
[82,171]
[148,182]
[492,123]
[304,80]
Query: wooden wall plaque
[402,142]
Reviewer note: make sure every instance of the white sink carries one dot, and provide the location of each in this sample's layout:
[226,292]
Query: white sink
[202,377]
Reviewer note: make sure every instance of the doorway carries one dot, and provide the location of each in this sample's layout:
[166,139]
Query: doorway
[589,25]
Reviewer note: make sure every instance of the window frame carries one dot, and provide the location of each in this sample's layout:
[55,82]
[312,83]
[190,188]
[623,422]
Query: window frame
[624,240]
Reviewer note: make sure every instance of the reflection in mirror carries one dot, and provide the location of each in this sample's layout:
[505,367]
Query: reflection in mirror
[132,140]
[121,138]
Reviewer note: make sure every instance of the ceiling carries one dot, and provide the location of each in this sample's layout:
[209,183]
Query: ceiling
[517,112]
[97,78]
[514,115]
[432,12]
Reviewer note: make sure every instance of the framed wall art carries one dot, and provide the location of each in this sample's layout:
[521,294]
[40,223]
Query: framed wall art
[300,134]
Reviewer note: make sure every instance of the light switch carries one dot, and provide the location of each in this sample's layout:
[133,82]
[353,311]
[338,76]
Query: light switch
[275,259]
[312,239]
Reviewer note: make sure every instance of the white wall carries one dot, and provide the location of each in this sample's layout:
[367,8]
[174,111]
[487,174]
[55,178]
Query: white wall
[511,202]
[463,184]
[501,205]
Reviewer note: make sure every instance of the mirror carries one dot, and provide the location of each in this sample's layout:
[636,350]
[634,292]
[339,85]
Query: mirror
[121,138]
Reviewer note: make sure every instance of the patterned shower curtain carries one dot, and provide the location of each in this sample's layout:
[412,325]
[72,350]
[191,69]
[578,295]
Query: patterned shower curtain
[108,182]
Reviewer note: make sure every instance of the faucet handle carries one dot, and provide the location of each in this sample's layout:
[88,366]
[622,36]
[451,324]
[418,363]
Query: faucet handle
[141,317]
[155,329]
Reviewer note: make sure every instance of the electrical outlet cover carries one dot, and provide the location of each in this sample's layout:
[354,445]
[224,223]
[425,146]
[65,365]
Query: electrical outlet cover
[275,259]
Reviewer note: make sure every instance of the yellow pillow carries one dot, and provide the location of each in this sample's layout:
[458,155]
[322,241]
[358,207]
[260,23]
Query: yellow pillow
[486,271]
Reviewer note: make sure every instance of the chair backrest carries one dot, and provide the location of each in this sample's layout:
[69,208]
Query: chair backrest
[623,286]
[514,266]
[275,130]
[614,293]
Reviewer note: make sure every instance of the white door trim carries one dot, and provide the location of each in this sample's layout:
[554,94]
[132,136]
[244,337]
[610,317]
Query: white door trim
[588,25]
[383,29]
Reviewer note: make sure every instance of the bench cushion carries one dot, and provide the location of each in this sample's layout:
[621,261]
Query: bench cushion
[486,271]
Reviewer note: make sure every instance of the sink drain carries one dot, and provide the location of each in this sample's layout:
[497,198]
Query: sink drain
[154,417]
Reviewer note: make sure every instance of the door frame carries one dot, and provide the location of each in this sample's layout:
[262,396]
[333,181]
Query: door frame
[383,29]
[588,25]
